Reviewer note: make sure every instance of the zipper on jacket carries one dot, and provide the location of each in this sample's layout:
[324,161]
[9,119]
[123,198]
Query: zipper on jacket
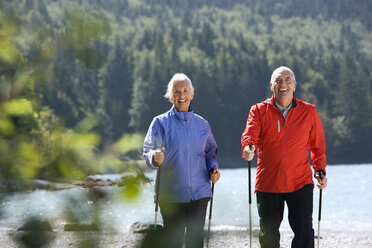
[283,148]
[279,124]
[283,157]
[189,157]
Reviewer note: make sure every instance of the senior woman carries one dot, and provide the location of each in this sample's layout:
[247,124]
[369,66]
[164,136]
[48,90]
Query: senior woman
[181,142]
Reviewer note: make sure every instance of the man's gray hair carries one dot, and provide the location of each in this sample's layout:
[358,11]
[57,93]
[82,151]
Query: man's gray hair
[177,77]
[282,68]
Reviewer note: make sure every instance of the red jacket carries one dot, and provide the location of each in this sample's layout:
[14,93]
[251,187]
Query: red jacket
[282,146]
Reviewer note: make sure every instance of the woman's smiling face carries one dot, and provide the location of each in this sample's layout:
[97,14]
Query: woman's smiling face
[182,94]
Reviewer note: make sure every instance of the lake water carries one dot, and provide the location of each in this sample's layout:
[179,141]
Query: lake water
[347,203]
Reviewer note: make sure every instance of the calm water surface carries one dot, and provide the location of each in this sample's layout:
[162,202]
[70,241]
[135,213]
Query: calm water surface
[347,202]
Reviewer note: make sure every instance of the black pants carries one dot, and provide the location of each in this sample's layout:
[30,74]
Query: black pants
[300,209]
[180,216]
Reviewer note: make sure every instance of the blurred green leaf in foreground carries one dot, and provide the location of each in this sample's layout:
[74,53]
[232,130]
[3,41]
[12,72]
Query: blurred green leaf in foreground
[34,143]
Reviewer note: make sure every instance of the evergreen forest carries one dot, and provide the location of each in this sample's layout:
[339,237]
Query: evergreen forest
[103,66]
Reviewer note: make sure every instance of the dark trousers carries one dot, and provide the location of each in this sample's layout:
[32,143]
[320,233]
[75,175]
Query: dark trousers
[300,209]
[178,217]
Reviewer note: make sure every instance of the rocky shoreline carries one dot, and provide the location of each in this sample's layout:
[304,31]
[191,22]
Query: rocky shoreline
[88,182]
[220,238]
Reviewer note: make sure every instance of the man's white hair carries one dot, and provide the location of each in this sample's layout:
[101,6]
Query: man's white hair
[177,77]
[280,69]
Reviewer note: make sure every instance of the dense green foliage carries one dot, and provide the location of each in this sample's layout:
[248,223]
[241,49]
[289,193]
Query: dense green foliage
[35,83]
[227,47]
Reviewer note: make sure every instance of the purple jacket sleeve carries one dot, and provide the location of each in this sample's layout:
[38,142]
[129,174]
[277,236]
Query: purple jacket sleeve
[211,151]
[152,142]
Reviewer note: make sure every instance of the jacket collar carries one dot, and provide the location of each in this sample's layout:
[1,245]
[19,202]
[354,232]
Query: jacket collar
[184,116]
[271,101]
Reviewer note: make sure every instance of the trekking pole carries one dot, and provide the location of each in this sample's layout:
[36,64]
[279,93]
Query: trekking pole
[250,200]
[250,204]
[210,209]
[320,174]
[319,214]
[157,189]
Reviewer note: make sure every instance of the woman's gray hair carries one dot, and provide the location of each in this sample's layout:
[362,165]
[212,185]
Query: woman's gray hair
[282,68]
[177,77]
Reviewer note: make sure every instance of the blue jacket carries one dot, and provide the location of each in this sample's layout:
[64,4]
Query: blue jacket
[190,151]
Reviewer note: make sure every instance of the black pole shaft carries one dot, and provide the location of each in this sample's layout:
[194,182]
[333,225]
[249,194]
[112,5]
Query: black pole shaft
[249,183]
[157,189]
[211,203]
[320,198]
[250,204]
[210,215]
[320,205]
[320,174]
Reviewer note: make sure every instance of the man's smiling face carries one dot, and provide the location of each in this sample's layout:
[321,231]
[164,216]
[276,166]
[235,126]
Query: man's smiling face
[283,86]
